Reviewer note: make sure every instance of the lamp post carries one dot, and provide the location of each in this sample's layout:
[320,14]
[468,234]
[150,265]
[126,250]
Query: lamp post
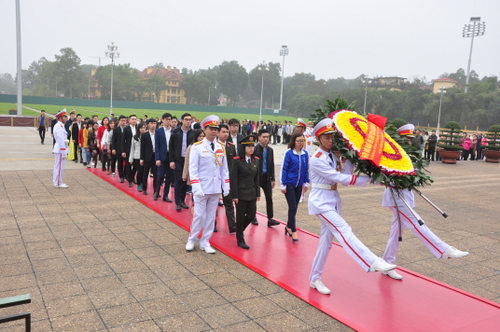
[283,53]
[263,67]
[473,29]
[112,54]
[442,91]
[19,62]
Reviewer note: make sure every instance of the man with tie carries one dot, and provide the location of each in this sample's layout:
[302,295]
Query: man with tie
[130,131]
[234,133]
[209,176]
[118,146]
[165,173]
[230,150]
[147,160]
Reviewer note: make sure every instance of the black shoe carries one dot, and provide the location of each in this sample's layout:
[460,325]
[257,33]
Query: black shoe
[184,206]
[232,230]
[166,199]
[76,161]
[134,181]
[84,163]
[221,204]
[272,222]
[155,196]
[122,180]
[130,184]
[255,222]
[178,207]
[144,192]
[243,245]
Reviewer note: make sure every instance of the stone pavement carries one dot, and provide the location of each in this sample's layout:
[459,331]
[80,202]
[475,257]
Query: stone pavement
[94,259]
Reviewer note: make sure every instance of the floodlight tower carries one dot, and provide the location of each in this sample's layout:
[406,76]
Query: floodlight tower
[475,28]
[263,67]
[283,53]
[112,53]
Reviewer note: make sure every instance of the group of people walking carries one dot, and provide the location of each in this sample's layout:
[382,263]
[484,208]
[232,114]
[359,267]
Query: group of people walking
[216,159]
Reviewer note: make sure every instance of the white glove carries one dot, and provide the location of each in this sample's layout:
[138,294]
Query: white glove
[362,180]
[66,143]
[199,193]
[64,156]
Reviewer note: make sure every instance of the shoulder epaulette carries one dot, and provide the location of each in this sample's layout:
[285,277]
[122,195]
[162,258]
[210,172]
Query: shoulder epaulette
[237,157]
[257,158]
[230,143]
[198,143]
[318,154]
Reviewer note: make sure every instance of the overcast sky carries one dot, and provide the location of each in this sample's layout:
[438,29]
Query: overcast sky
[326,38]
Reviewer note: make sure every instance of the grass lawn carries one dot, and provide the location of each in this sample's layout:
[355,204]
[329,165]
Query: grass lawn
[104,111]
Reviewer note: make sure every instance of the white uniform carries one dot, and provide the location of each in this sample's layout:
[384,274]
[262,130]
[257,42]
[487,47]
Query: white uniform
[408,220]
[209,175]
[326,205]
[60,151]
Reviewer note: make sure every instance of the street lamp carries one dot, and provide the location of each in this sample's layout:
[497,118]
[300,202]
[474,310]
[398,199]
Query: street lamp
[442,91]
[112,54]
[283,53]
[19,62]
[473,29]
[263,67]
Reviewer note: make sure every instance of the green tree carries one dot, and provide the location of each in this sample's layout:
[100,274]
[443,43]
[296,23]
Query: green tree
[232,80]
[126,82]
[69,77]
[154,86]
[7,85]
[304,104]
[272,83]
[196,88]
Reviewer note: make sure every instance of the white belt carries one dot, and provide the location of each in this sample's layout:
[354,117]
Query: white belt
[325,186]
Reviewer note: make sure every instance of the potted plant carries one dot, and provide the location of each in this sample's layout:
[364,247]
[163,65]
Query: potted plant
[492,149]
[449,142]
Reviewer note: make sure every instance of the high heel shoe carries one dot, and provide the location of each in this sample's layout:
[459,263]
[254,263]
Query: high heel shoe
[295,238]
[289,233]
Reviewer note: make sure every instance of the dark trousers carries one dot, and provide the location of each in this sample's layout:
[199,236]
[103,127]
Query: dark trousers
[149,165]
[228,204]
[179,185]
[121,165]
[430,152]
[479,152]
[245,213]
[165,175]
[139,170]
[113,163]
[130,170]
[292,198]
[41,132]
[265,184]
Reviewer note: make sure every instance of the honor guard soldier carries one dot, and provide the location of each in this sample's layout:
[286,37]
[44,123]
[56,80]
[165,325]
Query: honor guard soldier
[209,176]
[324,202]
[404,218]
[60,149]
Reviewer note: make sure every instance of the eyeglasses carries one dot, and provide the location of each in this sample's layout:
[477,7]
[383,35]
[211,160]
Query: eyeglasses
[299,141]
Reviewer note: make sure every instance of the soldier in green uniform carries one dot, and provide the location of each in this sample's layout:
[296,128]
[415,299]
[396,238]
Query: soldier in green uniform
[245,188]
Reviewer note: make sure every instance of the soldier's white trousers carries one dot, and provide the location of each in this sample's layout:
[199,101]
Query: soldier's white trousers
[204,216]
[332,224]
[423,233]
[59,164]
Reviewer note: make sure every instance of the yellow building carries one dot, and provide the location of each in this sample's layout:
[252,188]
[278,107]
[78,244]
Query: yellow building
[444,82]
[173,94]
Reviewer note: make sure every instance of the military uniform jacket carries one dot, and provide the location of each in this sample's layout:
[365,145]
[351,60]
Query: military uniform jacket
[245,179]
[208,168]
[60,135]
[230,154]
[326,171]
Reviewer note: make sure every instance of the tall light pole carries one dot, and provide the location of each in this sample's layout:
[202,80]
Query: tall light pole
[473,29]
[19,64]
[263,67]
[365,82]
[442,91]
[283,53]
[112,54]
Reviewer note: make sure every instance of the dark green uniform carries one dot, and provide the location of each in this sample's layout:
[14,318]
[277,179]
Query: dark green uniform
[228,200]
[245,187]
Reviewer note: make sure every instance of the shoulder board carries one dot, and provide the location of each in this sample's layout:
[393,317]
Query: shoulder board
[257,158]
[318,154]
[230,143]
[198,143]
[236,158]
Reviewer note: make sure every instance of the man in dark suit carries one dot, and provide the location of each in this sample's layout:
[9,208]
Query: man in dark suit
[230,150]
[118,147]
[267,179]
[165,173]
[180,139]
[130,131]
[234,134]
[75,129]
[147,160]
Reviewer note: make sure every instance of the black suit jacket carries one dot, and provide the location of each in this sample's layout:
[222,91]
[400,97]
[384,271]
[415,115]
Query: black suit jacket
[269,176]
[147,147]
[128,138]
[239,137]
[175,144]
[74,131]
[118,140]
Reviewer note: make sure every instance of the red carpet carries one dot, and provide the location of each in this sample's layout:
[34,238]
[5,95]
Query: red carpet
[363,301]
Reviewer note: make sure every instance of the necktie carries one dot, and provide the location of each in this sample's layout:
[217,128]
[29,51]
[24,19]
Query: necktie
[212,145]
[331,156]
[248,161]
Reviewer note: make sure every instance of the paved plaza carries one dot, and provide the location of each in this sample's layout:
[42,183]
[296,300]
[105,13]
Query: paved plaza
[94,259]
